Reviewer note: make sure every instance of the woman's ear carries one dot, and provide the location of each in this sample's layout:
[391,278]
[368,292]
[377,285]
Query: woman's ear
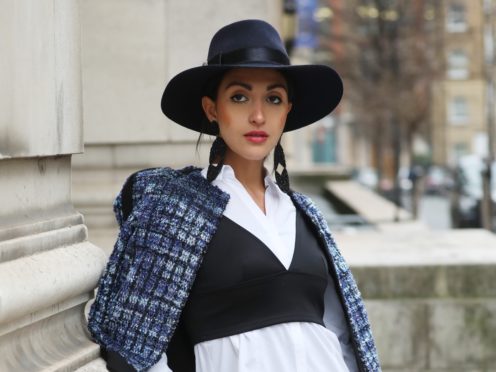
[209,108]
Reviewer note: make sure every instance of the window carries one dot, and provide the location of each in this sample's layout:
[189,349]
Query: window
[459,149]
[480,144]
[457,65]
[456,18]
[458,111]
[324,141]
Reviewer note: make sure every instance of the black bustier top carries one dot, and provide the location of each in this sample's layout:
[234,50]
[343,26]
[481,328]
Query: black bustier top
[242,286]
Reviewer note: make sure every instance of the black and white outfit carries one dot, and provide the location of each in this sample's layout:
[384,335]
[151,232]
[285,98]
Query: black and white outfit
[199,271]
[258,301]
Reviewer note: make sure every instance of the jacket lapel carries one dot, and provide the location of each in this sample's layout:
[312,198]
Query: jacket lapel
[351,298]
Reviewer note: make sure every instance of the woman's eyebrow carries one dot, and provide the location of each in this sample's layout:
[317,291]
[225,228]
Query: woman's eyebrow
[277,85]
[244,85]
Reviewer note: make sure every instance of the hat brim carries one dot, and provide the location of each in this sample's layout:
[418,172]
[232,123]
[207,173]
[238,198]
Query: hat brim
[317,90]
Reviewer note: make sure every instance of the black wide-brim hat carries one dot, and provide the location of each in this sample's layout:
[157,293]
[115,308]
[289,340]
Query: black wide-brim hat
[316,89]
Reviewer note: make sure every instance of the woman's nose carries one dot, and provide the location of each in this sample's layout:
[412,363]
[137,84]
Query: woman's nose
[257,115]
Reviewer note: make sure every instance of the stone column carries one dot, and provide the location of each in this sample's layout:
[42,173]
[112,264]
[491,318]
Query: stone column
[47,267]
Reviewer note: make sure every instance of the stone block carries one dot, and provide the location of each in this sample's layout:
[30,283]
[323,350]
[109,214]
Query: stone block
[462,335]
[138,156]
[31,188]
[45,279]
[450,281]
[124,59]
[455,335]
[40,100]
[24,246]
[400,329]
[57,343]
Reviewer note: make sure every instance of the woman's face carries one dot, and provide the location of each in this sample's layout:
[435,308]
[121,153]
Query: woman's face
[251,109]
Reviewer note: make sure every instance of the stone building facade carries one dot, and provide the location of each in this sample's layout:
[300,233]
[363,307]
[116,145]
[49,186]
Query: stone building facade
[459,117]
[48,268]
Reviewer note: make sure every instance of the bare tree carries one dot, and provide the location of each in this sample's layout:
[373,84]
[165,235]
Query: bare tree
[386,50]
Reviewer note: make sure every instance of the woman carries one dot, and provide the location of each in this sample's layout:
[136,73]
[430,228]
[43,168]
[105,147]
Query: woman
[222,269]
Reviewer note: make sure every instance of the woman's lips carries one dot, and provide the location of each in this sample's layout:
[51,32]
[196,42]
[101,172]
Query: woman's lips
[256,136]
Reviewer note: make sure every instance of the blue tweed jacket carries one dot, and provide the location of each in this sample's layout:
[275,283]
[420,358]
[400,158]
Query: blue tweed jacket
[156,257]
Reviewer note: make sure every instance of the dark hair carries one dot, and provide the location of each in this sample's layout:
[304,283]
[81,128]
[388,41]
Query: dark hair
[212,85]
[289,84]
[210,90]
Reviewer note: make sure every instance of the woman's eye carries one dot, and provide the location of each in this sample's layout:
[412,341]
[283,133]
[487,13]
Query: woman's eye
[274,99]
[238,98]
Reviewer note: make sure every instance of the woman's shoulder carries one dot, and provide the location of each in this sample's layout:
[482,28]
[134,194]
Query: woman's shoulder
[159,181]
[158,173]
[302,200]
[163,182]
[157,178]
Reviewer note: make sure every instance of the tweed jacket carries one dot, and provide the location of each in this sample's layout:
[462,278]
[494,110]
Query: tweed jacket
[158,252]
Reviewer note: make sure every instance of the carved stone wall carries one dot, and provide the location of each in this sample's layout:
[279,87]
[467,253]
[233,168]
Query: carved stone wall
[48,269]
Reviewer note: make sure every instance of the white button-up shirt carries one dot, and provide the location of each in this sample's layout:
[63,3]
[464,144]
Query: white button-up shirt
[288,347]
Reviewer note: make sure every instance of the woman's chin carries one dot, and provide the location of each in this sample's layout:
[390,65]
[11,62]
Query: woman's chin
[251,157]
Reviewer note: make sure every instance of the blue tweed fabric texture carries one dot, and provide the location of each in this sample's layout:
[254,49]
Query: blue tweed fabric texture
[156,257]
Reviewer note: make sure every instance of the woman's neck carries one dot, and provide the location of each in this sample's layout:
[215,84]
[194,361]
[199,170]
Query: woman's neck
[249,172]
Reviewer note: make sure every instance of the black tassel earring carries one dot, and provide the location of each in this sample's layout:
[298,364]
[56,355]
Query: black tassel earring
[282,178]
[217,153]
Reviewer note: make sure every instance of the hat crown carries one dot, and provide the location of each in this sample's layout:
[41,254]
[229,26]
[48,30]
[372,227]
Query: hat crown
[246,34]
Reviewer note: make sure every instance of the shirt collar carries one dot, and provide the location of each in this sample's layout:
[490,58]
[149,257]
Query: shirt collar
[227,173]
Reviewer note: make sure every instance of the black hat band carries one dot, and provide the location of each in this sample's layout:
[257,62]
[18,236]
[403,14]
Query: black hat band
[250,55]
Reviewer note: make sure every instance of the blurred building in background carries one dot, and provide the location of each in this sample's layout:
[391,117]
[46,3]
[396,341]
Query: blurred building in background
[416,80]
[384,52]
[459,117]
[325,144]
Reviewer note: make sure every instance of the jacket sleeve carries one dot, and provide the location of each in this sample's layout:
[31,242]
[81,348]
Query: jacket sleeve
[180,356]
[117,266]
[115,271]
[156,256]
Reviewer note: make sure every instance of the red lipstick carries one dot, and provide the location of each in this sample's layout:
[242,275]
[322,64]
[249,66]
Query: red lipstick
[256,136]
